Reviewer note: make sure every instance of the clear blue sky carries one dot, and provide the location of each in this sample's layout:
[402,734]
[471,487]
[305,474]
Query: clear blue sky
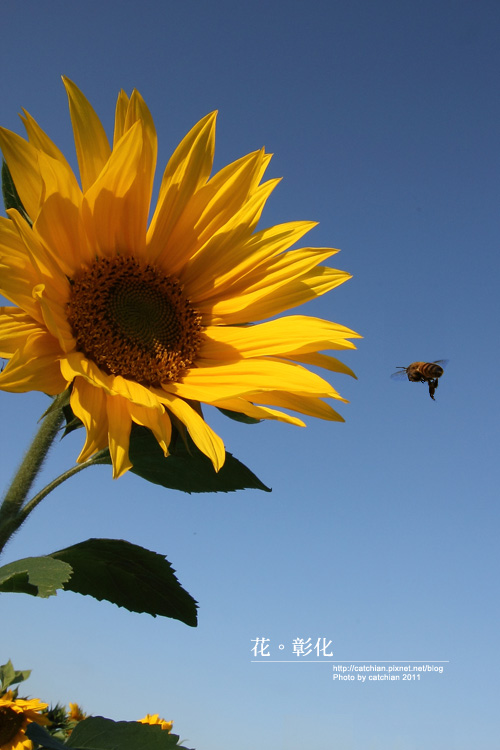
[380,534]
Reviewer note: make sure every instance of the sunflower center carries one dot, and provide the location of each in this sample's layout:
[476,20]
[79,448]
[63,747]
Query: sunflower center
[133,320]
[10,723]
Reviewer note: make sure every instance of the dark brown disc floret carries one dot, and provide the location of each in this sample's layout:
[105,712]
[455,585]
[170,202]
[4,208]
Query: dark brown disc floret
[10,723]
[131,319]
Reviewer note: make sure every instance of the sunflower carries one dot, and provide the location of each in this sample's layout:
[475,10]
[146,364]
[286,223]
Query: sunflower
[147,322]
[75,713]
[15,715]
[155,719]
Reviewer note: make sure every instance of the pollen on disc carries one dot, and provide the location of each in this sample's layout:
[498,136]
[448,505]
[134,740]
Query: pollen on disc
[133,320]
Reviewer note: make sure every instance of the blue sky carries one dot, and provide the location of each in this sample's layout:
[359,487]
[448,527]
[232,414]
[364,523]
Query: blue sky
[381,534]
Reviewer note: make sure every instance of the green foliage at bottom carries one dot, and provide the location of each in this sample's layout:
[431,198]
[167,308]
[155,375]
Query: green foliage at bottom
[97,733]
[129,576]
[112,569]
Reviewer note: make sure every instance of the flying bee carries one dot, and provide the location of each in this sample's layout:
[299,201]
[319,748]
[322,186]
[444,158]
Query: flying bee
[423,372]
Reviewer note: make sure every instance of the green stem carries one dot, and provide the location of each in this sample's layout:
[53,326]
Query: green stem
[11,515]
[100,458]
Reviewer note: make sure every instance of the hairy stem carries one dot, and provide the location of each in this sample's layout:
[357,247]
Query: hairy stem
[100,458]
[11,514]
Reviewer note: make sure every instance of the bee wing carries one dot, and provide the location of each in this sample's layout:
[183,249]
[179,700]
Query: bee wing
[400,374]
[441,362]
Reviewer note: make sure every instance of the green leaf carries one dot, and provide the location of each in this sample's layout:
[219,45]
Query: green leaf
[129,576]
[97,733]
[57,403]
[72,422]
[40,736]
[10,195]
[186,468]
[9,675]
[38,576]
[120,572]
[239,417]
[62,402]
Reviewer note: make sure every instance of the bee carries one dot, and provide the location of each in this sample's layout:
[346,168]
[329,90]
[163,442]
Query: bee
[423,372]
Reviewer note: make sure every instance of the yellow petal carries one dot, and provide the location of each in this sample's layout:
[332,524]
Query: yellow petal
[55,319]
[281,270]
[17,274]
[209,209]
[237,230]
[117,217]
[203,436]
[266,301]
[313,407]
[47,268]
[323,360]
[22,288]
[18,289]
[91,143]
[257,412]
[11,244]
[15,327]
[137,111]
[89,405]
[66,182]
[22,161]
[232,262]
[34,367]
[58,180]
[188,169]
[120,115]
[119,426]
[275,270]
[157,421]
[214,383]
[75,364]
[59,223]
[41,141]
[135,393]
[296,333]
